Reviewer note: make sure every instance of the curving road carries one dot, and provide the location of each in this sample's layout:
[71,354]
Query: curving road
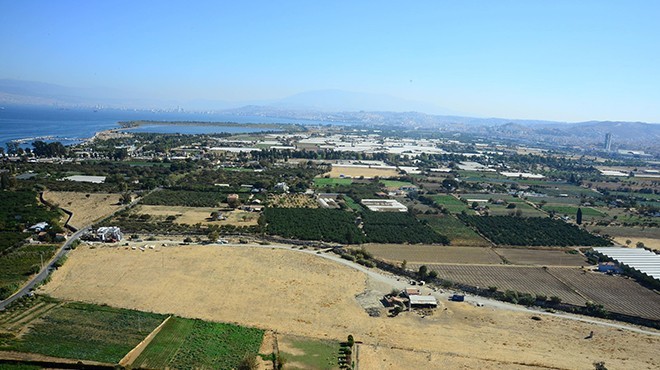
[398,282]
[63,251]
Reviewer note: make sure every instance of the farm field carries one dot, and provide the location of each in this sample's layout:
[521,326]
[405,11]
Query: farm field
[194,215]
[533,231]
[352,204]
[356,172]
[86,207]
[433,254]
[304,353]
[541,257]
[185,198]
[526,209]
[186,343]
[293,201]
[533,280]
[450,202]
[323,181]
[316,298]
[19,264]
[457,232]
[394,184]
[616,293]
[588,213]
[84,331]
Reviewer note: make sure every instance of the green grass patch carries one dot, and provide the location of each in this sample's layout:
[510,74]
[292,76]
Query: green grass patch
[450,202]
[165,344]
[395,184]
[303,353]
[322,181]
[87,332]
[457,232]
[212,345]
[587,212]
[353,204]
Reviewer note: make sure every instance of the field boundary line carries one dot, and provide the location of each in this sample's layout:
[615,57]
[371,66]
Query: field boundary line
[569,286]
[137,350]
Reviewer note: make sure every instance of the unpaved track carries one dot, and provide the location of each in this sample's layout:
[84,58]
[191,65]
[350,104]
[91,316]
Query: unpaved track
[296,292]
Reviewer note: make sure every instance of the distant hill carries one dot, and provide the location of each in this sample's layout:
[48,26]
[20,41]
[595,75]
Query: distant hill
[359,108]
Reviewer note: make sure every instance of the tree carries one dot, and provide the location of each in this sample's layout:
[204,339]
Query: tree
[404,264]
[475,205]
[125,198]
[423,272]
[640,245]
[213,236]
[578,217]
[628,241]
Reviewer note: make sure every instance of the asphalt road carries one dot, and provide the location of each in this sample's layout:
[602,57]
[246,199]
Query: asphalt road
[63,251]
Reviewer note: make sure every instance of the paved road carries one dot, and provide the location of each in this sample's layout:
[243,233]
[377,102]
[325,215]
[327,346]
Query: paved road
[63,251]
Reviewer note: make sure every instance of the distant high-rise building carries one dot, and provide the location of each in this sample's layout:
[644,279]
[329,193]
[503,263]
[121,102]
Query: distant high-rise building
[608,142]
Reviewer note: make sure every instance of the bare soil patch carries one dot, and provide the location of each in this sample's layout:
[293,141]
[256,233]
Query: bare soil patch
[356,172]
[652,243]
[86,207]
[521,256]
[194,215]
[433,254]
[302,294]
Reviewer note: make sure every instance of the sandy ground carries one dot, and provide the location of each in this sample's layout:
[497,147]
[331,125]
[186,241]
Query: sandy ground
[86,207]
[355,172]
[301,294]
[193,215]
[648,242]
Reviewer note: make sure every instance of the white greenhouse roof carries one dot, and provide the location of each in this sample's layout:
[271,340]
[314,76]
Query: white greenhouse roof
[640,259]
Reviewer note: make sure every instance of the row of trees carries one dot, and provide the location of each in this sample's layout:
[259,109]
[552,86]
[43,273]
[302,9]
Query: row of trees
[341,226]
[532,231]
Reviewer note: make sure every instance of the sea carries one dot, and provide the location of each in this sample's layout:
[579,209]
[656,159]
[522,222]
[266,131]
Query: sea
[70,126]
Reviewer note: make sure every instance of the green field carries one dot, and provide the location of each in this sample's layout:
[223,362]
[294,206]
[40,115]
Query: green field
[17,265]
[86,332]
[571,211]
[319,182]
[353,204]
[395,184]
[303,353]
[526,209]
[195,344]
[457,232]
[450,202]
[164,346]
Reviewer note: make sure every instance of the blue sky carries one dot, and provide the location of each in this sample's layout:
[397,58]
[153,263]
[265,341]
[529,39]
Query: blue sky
[558,60]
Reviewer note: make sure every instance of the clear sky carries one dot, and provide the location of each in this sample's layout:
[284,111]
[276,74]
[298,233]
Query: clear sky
[559,60]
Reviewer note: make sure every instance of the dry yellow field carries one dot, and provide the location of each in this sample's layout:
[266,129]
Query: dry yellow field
[86,207]
[193,215]
[355,172]
[298,293]
[648,242]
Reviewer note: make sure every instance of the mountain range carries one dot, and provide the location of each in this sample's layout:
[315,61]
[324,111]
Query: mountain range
[352,107]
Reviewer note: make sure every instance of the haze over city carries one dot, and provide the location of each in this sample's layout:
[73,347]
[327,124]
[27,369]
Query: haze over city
[559,60]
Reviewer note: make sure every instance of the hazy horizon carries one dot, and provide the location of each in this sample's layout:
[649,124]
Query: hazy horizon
[559,61]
